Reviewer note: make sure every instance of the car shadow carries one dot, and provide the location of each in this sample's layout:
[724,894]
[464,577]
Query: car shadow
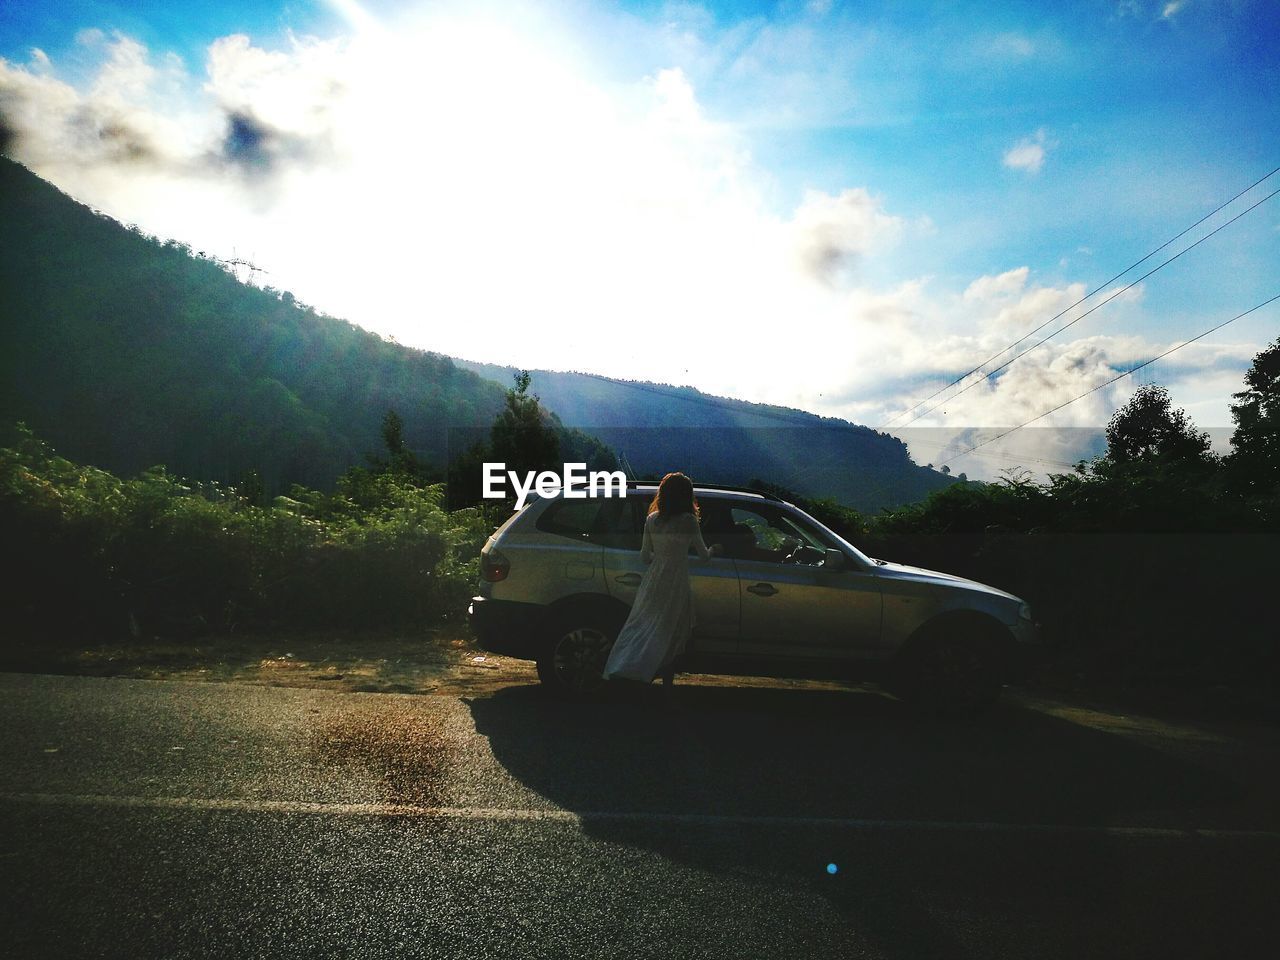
[901,824]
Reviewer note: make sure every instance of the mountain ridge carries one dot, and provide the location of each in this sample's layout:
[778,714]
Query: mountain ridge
[727,440]
[126,351]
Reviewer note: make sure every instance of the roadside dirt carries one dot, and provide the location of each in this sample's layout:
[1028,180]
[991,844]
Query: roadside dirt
[443,662]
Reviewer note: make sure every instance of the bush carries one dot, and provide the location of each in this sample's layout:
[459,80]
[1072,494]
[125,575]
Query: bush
[156,556]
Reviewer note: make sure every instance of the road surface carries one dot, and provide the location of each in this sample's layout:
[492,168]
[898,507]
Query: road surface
[167,819]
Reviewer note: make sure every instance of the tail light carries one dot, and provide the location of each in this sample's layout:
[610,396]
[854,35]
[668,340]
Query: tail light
[494,566]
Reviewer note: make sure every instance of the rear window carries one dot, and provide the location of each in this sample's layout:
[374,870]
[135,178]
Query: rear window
[609,521]
[571,518]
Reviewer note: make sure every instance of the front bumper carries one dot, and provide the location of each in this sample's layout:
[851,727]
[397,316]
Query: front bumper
[1025,651]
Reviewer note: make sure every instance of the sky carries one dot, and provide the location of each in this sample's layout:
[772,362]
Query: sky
[836,207]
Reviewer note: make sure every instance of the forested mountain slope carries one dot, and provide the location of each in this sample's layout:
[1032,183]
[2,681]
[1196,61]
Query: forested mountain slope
[657,427]
[126,352]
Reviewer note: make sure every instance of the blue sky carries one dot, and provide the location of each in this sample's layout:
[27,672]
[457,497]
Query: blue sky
[896,189]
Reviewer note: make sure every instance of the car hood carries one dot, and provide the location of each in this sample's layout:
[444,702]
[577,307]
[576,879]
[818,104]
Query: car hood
[900,571]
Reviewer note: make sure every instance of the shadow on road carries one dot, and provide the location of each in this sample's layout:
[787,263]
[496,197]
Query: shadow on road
[899,889]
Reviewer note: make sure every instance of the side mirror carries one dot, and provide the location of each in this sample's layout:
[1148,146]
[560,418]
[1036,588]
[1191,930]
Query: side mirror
[834,560]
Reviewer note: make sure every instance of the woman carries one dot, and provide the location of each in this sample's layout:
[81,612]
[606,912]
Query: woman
[662,616]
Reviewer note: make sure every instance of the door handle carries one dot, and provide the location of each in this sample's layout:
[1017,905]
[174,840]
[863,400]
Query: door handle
[628,579]
[762,589]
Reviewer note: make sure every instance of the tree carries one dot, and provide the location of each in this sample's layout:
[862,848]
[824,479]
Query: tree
[524,436]
[393,434]
[1255,456]
[403,461]
[1148,428]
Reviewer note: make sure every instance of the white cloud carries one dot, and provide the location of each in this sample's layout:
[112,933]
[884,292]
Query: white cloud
[833,233]
[1028,154]
[1003,285]
[84,139]
[445,179]
[1171,9]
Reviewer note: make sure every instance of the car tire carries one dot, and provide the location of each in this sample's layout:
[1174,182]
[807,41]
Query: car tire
[572,664]
[951,670]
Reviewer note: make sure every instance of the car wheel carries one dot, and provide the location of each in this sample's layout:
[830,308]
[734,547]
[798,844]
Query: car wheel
[573,664]
[954,672]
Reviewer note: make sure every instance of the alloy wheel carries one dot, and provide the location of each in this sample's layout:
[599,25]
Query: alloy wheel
[579,658]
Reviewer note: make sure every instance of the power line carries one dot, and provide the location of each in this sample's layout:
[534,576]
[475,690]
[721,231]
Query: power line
[1096,289]
[1010,456]
[1096,306]
[1118,376]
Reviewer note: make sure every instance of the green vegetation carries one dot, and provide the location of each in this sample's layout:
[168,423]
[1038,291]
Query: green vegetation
[157,556]
[161,556]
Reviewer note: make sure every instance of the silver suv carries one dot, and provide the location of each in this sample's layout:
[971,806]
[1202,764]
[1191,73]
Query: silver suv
[786,597]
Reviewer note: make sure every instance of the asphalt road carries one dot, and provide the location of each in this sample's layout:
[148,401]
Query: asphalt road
[160,819]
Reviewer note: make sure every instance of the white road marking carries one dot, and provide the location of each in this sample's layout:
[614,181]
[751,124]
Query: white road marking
[585,818]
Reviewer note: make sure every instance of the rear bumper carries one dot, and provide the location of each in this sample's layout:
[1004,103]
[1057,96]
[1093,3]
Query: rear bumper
[507,627]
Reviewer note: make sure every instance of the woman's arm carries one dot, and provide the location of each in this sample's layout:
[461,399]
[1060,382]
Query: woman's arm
[698,543]
[646,541]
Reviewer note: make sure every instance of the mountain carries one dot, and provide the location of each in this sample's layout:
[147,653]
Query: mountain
[126,352]
[657,428]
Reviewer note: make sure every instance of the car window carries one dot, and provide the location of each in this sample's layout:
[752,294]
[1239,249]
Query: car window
[610,521]
[770,534]
[620,524]
[571,518]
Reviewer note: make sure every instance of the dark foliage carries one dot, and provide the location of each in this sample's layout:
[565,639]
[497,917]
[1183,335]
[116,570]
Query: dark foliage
[1254,464]
[1149,428]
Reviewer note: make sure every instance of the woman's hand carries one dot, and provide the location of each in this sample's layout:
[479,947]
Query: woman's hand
[715,550]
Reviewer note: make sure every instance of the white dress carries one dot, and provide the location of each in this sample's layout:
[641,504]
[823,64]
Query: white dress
[662,617]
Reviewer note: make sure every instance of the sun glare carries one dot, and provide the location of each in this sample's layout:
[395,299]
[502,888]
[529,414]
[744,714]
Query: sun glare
[517,193]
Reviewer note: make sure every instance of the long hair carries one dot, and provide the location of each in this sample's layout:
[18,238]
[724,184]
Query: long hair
[674,496]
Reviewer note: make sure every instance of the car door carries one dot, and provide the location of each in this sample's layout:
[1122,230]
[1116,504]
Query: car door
[808,608]
[714,581]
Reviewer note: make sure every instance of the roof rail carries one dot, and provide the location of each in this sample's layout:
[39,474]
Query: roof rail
[731,487]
